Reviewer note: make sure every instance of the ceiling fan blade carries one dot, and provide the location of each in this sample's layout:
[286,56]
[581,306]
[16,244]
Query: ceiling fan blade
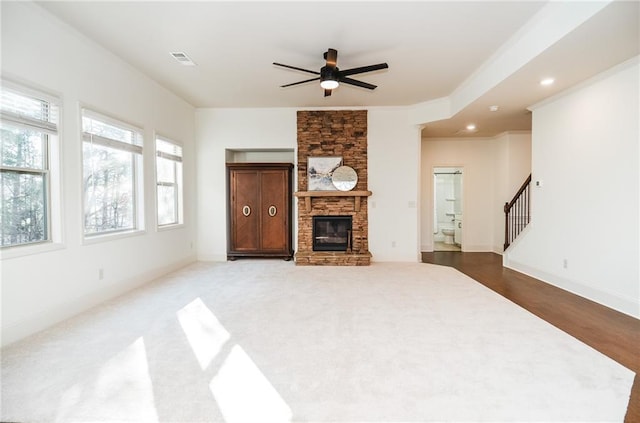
[327,93]
[296,68]
[299,82]
[364,69]
[358,83]
[332,57]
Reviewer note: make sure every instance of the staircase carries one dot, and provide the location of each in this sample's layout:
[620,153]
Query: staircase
[517,213]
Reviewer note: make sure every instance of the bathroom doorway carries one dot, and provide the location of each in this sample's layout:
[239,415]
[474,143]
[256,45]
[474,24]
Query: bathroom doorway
[447,209]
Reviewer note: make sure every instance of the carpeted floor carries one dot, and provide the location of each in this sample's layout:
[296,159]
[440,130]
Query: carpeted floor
[266,341]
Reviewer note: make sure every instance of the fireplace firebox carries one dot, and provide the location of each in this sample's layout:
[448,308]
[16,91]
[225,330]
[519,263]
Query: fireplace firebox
[332,233]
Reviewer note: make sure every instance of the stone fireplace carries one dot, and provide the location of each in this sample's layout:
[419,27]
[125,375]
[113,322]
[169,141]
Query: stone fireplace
[334,133]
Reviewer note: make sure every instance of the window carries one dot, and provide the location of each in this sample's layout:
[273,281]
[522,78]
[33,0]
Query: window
[29,132]
[168,182]
[112,165]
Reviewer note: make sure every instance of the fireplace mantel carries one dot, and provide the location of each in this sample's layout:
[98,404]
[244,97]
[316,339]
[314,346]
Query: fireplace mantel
[308,195]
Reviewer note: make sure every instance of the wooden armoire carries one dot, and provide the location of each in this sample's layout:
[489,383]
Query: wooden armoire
[259,210]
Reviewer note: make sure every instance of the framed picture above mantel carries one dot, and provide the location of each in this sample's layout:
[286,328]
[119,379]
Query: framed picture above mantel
[320,171]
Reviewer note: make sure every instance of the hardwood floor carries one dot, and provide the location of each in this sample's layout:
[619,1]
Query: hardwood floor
[614,334]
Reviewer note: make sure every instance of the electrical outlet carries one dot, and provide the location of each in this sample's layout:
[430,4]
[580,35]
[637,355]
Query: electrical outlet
[100,274]
[393,244]
[565,263]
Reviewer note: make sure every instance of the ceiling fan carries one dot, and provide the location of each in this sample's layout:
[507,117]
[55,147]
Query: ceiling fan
[330,76]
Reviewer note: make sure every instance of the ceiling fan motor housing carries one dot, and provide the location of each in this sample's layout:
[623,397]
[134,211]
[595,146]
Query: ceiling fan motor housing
[329,73]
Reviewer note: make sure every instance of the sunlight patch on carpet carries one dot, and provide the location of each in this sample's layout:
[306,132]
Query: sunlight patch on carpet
[121,391]
[205,333]
[244,394]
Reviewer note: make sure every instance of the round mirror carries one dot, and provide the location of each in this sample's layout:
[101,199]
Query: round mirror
[344,178]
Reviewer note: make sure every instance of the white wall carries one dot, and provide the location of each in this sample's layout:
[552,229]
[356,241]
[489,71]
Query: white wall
[394,180]
[493,169]
[41,289]
[393,154]
[216,131]
[585,150]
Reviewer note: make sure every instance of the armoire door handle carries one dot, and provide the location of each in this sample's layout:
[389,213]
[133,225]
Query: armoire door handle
[246,211]
[272,210]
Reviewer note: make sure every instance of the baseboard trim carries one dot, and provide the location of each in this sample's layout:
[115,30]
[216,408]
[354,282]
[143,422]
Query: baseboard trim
[477,248]
[608,299]
[212,257]
[61,312]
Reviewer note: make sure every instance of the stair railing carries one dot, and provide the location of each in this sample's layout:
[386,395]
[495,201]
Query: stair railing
[517,213]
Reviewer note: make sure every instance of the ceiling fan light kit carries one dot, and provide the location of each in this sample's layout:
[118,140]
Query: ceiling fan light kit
[329,84]
[330,76]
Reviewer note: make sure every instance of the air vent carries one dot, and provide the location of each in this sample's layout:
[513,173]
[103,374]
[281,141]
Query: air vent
[182,58]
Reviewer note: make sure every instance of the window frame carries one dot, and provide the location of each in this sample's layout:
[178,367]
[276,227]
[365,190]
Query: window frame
[179,184]
[51,170]
[136,149]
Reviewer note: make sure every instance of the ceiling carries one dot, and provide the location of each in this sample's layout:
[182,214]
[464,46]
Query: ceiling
[432,49]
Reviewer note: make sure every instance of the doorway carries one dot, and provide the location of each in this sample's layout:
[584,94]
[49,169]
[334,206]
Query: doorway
[447,208]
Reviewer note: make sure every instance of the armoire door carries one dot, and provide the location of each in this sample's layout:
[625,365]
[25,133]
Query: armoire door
[245,210]
[274,210]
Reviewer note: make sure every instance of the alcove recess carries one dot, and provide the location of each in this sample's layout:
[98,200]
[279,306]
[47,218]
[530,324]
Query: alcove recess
[333,133]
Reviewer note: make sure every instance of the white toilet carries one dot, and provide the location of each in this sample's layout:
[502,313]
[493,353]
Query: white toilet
[448,235]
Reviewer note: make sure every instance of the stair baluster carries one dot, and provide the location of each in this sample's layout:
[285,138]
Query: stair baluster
[517,213]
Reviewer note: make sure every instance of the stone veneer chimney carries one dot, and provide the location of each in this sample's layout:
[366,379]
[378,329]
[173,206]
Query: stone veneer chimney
[333,133]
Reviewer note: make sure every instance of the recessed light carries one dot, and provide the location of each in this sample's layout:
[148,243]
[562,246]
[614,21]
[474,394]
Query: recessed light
[494,108]
[471,127]
[547,81]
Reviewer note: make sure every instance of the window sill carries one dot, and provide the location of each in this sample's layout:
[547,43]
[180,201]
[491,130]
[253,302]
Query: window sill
[96,239]
[169,227]
[27,250]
